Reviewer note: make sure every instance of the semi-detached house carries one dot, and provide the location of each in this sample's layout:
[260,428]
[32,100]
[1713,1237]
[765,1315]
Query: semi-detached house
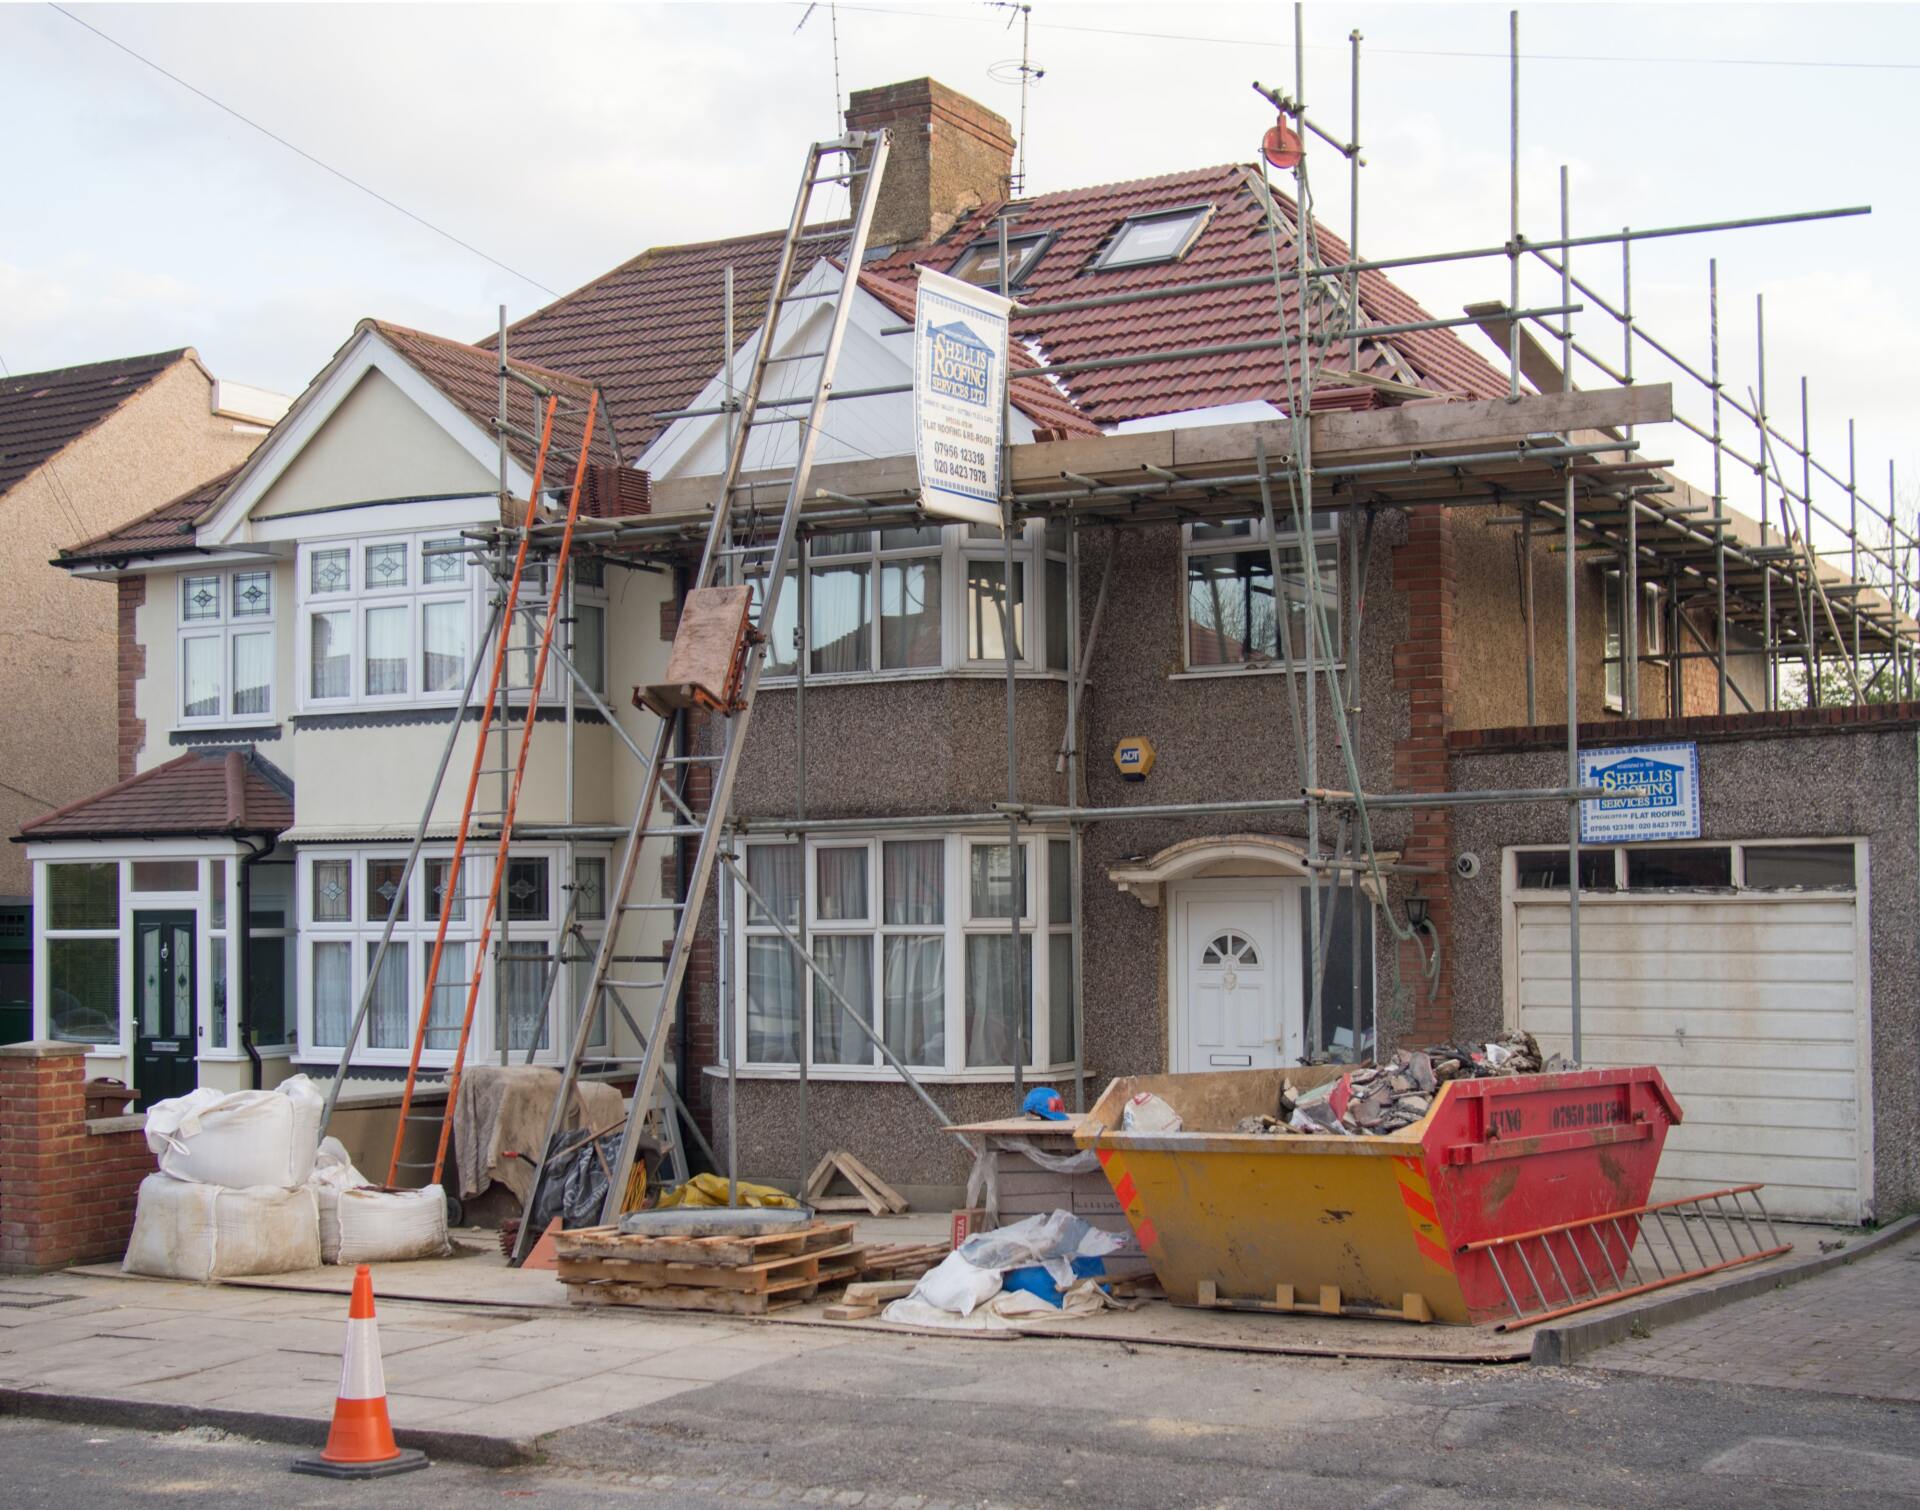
[306,623]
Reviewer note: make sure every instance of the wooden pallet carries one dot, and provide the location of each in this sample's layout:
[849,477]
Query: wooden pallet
[741,1276]
[611,1242]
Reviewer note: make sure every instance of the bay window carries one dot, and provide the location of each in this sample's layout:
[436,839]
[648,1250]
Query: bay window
[226,646]
[385,621]
[346,896]
[1234,617]
[916,933]
[924,598]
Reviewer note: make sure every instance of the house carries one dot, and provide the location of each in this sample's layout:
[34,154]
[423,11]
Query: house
[1133,926]
[82,450]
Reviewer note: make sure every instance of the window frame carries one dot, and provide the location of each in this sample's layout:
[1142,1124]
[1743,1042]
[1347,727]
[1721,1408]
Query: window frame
[363,925]
[1649,635]
[1025,250]
[1622,889]
[1036,553]
[223,628]
[1327,538]
[958,923]
[1109,258]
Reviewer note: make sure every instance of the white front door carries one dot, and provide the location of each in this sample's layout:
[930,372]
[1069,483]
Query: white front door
[1236,986]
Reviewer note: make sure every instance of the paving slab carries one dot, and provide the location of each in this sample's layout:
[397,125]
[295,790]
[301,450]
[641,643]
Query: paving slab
[1852,1330]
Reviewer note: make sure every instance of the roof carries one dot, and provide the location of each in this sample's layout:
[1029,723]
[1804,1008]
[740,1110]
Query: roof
[162,531]
[470,377]
[41,413]
[649,331]
[1233,244]
[203,792]
[1043,400]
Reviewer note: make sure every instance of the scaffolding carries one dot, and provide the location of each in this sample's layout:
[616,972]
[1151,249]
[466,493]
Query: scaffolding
[1819,582]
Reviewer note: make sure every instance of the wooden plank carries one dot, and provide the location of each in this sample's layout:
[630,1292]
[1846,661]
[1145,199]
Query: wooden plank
[878,1290]
[610,1242]
[845,1312]
[751,1277]
[687,1298]
[866,1178]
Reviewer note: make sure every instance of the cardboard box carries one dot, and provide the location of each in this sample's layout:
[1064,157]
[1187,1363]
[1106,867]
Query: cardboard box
[967,1221]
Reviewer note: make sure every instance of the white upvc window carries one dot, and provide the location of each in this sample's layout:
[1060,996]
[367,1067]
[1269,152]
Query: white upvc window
[915,931]
[226,646]
[345,895]
[580,635]
[1650,625]
[1233,619]
[385,620]
[925,599]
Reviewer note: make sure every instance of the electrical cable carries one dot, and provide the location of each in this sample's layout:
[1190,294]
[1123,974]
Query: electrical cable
[299,151]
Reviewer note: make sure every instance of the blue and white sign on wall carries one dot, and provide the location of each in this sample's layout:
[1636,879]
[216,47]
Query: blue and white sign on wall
[959,396]
[1668,805]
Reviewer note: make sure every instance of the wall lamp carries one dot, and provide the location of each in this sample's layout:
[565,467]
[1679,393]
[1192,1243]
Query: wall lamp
[1417,912]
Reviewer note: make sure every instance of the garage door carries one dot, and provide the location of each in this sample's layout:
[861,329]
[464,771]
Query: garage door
[1752,1009]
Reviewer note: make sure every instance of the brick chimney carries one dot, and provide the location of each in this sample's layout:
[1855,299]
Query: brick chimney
[949,155]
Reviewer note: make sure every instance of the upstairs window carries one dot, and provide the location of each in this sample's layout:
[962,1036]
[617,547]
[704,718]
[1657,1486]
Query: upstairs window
[384,621]
[226,651]
[1165,236]
[1234,617]
[923,598]
[1649,627]
[979,264]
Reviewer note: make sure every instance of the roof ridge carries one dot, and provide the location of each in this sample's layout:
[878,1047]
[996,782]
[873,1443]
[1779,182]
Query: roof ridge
[164,358]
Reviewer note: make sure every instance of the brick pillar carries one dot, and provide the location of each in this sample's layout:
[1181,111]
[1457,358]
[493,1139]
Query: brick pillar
[66,1191]
[1426,668]
[130,662]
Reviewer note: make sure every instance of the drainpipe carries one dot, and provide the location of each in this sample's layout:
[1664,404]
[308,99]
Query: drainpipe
[242,929]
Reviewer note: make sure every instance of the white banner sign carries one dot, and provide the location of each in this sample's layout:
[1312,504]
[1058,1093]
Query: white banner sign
[1669,776]
[959,396]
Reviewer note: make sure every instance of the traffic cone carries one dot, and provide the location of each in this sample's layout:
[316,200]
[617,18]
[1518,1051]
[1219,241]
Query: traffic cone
[361,1445]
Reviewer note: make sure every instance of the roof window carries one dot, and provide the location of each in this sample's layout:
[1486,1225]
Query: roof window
[979,264]
[1163,236]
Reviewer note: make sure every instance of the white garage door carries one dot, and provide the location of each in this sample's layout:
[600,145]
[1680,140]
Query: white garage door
[1753,1009]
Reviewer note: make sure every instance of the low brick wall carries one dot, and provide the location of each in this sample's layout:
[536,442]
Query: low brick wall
[67,1185]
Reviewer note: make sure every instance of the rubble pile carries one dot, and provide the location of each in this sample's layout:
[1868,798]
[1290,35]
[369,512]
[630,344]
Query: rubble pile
[1384,1098]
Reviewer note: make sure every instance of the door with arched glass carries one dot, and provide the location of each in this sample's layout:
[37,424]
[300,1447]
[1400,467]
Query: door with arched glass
[1235,985]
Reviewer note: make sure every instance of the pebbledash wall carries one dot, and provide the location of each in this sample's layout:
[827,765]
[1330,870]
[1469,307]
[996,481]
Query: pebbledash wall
[1802,774]
[940,746]
[67,1184]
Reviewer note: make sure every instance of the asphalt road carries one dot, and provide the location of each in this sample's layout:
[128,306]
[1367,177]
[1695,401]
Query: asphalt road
[915,1422]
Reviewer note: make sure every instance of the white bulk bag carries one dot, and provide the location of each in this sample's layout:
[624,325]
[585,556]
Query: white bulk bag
[333,1173]
[388,1226]
[183,1230]
[240,1140]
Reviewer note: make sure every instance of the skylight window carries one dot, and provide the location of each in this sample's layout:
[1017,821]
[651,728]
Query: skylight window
[979,264]
[1164,236]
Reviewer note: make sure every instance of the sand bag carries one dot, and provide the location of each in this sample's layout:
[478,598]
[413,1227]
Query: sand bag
[183,1230]
[388,1226]
[333,1174]
[241,1140]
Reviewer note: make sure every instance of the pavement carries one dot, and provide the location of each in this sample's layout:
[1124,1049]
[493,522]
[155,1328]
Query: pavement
[723,1410]
[1853,1330]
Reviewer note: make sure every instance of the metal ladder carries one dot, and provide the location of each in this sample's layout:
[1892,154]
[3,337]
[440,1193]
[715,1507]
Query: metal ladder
[742,578]
[1553,1271]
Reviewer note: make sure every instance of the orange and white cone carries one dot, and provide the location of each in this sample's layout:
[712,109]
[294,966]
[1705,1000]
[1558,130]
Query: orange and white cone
[361,1445]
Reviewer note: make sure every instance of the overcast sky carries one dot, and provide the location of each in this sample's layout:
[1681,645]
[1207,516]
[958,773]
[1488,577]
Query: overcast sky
[562,140]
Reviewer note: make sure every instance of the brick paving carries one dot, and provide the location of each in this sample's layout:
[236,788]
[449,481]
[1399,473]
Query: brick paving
[1854,1330]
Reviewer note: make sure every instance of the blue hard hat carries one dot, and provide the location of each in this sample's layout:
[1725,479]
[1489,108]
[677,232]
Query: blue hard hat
[1044,1102]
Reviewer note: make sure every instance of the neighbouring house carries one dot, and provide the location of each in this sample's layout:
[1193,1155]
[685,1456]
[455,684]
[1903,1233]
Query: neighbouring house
[303,627]
[83,450]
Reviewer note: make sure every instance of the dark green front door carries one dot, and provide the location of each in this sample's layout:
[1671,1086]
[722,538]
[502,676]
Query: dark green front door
[164,1049]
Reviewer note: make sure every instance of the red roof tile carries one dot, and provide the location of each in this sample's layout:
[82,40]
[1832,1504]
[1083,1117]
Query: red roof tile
[203,792]
[470,377]
[41,413]
[649,330]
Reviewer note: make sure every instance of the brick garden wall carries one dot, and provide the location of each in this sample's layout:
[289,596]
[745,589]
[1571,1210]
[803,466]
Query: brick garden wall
[67,1186]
